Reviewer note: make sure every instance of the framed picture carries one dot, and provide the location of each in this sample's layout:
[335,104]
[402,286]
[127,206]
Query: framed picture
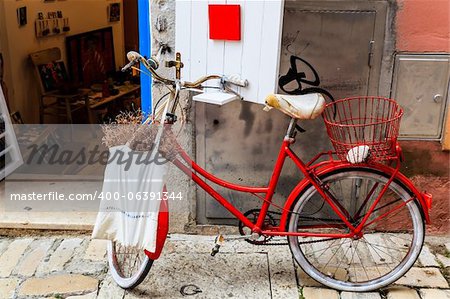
[22,16]
[114,12]
[90,56]
[53,75]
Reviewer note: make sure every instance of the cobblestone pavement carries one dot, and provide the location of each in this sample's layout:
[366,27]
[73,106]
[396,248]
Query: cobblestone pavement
[76,267]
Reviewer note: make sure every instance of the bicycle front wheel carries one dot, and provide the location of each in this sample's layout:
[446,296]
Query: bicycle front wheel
[129,266]
[390,242]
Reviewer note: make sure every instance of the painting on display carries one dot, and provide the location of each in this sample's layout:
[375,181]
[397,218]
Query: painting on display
[114,12]
[90,56]
[53,75]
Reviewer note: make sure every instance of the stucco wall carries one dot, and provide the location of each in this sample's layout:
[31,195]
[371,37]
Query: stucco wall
[423,25]
[18,42]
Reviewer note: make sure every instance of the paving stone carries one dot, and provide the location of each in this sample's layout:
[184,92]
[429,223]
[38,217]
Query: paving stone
[60,257]
[58,284]
[96,250]
[316,293]
[12,255]
[92,295]
[305,280]
[351,295]
[402,293]
[80,266]
[434,294]
[7,287]
[423,277]
[110,290]
[242,275]
[282,273]
[426,258]
[32,259]
[4,245]
[444,260]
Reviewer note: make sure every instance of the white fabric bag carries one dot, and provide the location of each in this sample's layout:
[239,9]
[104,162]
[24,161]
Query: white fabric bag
[128,214]
[132,222]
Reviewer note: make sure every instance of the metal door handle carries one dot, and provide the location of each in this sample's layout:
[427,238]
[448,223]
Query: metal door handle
[437,98]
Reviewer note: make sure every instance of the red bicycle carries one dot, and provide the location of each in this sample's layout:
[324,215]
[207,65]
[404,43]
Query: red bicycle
[353,223]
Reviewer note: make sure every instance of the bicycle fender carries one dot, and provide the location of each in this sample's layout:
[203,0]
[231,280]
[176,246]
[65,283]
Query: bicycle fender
[424,198]
[162,230]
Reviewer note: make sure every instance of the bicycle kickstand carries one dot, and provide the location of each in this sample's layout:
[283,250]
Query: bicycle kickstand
[220,239]
[218,242]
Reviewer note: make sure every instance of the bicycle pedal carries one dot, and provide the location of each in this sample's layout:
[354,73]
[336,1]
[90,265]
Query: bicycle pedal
[217,243]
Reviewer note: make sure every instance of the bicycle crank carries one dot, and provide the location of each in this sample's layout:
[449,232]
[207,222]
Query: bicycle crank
[252,215]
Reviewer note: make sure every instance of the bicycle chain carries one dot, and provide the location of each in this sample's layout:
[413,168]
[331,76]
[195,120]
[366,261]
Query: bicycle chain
[272,243]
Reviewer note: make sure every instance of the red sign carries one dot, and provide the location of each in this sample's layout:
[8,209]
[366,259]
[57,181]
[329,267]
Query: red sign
[224,22]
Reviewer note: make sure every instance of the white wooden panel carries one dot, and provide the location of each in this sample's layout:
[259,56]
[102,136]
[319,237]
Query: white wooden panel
[183,33]
[255,57]
[199,39]
[233,50]
[252,21]
[216,50]
[270,48]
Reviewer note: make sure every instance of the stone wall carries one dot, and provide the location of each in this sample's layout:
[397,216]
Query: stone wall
[163,42]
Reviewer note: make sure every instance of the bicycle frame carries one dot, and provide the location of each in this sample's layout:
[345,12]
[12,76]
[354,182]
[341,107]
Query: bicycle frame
[311,171]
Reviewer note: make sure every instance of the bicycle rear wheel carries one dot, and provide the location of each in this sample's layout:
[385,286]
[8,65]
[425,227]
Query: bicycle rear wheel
[391,242]
[129,266]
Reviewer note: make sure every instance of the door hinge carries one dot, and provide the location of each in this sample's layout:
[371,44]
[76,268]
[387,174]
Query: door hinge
[370,58]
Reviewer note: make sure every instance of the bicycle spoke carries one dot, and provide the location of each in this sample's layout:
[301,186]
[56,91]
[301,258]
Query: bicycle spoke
[378,246]
[312,253]
[376,252]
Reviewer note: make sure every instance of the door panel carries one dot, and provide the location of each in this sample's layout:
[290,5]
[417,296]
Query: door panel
[420,87]
[335,44]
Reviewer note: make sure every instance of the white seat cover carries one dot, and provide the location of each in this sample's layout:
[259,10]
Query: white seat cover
[308,106]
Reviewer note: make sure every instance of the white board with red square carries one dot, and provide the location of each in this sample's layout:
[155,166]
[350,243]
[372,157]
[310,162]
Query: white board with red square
[228,37]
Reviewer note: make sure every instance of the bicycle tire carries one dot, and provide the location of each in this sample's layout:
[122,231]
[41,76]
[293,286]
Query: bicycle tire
[344,280]
[123,280]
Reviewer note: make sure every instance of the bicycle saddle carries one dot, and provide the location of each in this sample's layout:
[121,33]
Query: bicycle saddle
[308,106]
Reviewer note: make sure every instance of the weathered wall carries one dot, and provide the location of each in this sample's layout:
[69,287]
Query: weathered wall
[182,213]
[423,25]
[411,25]
[18,42]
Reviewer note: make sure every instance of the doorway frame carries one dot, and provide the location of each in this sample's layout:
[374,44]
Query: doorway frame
[145,48]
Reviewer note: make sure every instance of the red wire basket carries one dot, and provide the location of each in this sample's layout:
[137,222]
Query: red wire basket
[363,128]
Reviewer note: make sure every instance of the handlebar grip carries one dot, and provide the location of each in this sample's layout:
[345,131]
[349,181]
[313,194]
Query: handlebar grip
[133,55]
[236,80]
[130,64]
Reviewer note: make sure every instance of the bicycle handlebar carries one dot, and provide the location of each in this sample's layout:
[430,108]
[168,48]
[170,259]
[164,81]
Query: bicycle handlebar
[152,65]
